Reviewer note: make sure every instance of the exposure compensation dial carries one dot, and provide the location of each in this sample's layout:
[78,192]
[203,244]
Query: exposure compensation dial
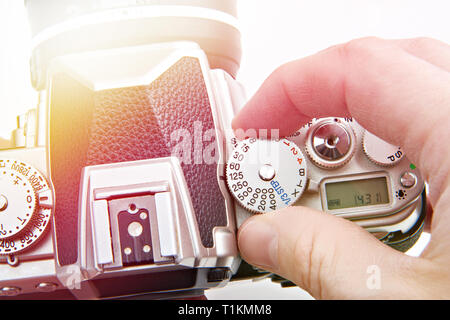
[25,206]
[266,175]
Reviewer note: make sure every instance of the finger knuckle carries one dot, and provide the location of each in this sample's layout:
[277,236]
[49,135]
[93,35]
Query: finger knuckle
[361,47]
[423,43]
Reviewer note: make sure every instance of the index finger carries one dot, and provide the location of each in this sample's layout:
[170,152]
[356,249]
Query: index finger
[401,98]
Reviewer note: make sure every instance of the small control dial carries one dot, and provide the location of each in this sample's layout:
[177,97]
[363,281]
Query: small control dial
[266,175]
[330,143]
[381,152]
[25,206]
[17,201]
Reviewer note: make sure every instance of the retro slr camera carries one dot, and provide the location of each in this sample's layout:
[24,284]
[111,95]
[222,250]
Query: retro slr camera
[127,180]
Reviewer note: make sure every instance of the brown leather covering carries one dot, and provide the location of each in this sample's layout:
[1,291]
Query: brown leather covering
[126,124]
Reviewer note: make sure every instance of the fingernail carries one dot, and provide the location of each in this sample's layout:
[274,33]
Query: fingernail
[234,124]
[258,244]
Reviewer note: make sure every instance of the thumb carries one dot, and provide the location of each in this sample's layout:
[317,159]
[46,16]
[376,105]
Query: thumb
[328,256]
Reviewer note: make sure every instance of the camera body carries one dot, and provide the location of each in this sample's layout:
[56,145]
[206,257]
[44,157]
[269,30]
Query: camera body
[182,212]
[130,180]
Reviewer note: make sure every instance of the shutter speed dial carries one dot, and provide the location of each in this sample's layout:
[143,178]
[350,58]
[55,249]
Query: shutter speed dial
[25,206]
[266,175]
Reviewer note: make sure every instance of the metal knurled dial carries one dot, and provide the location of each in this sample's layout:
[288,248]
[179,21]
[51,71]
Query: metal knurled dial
[17,203]
[380,152]
[266,175]
[330,143]
[25,206]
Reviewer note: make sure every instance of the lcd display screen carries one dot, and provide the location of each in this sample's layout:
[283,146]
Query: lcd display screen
[357,193]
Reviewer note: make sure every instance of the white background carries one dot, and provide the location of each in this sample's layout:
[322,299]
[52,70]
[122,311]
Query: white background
[273,32]
[278,31]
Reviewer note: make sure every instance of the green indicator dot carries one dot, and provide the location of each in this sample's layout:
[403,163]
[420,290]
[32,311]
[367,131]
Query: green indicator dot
[412,166]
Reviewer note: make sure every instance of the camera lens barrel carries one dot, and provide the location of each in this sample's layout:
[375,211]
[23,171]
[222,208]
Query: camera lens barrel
[71,26]
[46,13]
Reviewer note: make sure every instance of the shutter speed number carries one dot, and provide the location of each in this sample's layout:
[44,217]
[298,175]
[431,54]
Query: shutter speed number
[257,198]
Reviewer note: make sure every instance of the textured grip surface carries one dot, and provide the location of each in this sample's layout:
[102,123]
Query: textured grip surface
[404,241]
[127,124]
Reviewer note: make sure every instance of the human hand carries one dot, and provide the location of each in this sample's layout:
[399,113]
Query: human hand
[400,91]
